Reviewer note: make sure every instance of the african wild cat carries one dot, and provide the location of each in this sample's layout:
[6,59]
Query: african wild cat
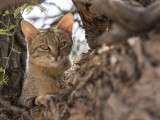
[48,58]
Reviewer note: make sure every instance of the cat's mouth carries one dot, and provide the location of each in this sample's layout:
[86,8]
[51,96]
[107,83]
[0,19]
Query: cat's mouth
[59,60]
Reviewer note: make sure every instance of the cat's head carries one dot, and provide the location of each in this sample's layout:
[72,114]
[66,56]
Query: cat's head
[50,47]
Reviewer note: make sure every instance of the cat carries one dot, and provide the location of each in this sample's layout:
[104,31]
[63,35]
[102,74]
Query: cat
[47,59]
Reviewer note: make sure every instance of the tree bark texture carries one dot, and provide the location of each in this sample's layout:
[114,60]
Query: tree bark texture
[92,18]
[12,52]
[16,61]
[119,80]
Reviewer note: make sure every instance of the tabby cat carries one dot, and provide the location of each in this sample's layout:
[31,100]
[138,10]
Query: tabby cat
[48,58]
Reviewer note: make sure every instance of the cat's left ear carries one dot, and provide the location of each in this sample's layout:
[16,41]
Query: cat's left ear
[66,23]
[29,30]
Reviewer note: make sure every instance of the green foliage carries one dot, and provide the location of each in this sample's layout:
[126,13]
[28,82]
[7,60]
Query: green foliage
[19,10]
[4,78]
[6,13]
[4,32]
[1,70]
[9,29]
[29,8]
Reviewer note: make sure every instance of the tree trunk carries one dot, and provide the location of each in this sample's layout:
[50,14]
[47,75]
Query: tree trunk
[13,59]
[119,81]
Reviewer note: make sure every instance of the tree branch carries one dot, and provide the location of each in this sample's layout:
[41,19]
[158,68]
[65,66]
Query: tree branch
[132,18]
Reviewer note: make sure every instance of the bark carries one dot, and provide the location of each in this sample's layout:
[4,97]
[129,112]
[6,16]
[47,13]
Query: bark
[10,3]
[14,61]
[92,18]
[115,82]
[133,19]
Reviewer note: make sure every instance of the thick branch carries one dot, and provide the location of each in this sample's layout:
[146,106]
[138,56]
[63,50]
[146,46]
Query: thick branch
[93,20]
[131,18]
[137,19]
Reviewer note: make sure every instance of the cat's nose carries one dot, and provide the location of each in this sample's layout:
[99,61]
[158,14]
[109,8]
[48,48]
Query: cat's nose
[54,53]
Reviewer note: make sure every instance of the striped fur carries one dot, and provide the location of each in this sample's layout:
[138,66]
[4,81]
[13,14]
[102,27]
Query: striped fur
[43,70]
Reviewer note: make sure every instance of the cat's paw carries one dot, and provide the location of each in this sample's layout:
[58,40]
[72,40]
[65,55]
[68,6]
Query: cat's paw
[43,100]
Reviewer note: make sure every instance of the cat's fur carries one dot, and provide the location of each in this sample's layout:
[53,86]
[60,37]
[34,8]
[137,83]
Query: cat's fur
[48,58]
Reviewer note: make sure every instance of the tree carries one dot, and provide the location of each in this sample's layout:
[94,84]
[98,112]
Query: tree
[117,81]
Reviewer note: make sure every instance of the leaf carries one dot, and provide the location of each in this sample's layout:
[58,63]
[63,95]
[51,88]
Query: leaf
[5,32]
[6,13]
[11,27]
[17,12]
[23,6]
[1,70]
[29,8]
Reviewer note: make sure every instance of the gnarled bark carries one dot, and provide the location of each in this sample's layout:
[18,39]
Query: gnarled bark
[120,82]
[132,18]
[93,20]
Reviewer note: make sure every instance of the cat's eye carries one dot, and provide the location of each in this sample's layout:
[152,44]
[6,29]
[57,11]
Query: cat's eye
[45,47]
[61,45]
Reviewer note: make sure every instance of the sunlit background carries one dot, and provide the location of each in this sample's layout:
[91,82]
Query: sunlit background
[49,16]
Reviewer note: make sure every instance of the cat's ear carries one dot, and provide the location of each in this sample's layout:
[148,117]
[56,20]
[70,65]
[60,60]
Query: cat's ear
[66,23]
[29,30]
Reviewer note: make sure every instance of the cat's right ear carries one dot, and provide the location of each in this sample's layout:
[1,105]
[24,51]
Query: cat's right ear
[66,23]
[29,30]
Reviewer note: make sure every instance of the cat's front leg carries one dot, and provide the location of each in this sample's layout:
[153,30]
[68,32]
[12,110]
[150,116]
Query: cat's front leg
[43,99]
[27,100]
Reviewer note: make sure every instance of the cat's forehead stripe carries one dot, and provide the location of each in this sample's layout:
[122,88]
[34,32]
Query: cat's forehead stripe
[47,36]
[52,36]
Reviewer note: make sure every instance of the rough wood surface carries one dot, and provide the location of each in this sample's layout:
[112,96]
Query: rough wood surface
[145,2]
[16,66]
[17,62]
[93,20]
[120,82]
[132,18]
